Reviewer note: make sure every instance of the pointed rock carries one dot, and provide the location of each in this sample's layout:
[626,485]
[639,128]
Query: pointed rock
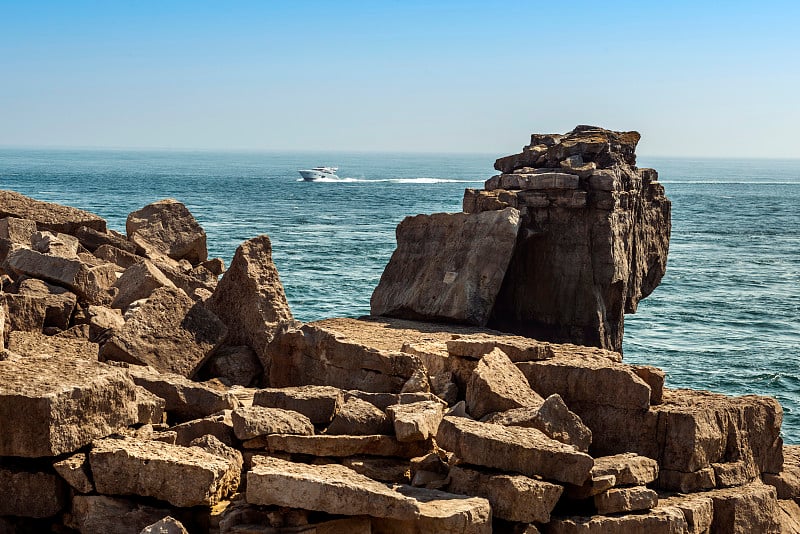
[168,227]
[497,385]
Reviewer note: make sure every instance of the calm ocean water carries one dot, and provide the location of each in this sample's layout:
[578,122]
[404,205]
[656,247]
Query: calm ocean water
[726,316]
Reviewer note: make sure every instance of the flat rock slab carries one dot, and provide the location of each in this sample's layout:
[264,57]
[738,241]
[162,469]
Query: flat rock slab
[440,513]
[343,446]
[37,344]
[30,494]
[517,348]
[616,500]
[358,417]
[629,469]
[318,403]
[100,514]
[48,215]
[181,476]
[169,227]
[513,497]
[497,385]
[416,421]
[662,520]
[523,450]
[447,266]
[52,405]
[697,508]
[169,332]
[253,421]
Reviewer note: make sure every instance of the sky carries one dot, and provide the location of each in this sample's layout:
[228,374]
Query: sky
[716,79]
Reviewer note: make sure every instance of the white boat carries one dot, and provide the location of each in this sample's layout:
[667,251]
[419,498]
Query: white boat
[319,173]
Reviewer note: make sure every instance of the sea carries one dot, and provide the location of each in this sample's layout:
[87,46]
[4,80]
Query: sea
[725,318]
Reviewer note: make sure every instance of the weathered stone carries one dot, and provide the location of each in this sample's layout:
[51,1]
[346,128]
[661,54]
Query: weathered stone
[250,298]
[416,421]
[182,476]
[59,303]
[736,473]
[698,510]
[787,482]
[383,469]
[653,377]
[497,385]
[92,240]
[47,215]
[513,497]
[517,348]
[138,282]
[184,398]
[168,227]
[789,517]
[75,470]
[51,405]
[99,514]
[36,344]
[253,421]
[214,446]
[357,417]
[118,257]
[17,230]
[101,321]
[700,480]
[745,509]
[318,354]
[439,513]
[343,446]
[318,403]
[447,266]
[219,425]
[628,469]
[236,365]
[27,494]
[168,332]
[594,486]
[168,525]
[150,407]
[617,500]
[63,245]
[662,520]
[524,450]
[382,401]
[24,313]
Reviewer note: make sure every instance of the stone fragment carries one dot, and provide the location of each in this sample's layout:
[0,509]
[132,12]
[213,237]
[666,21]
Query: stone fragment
[184,399]
[523,450]
[168,227]
[150,407]
[513,497]
[51,405]
[736,473]
[63,245]
[118,257]
[100,514]
[59,302]
[102,321]
[182,476]
[30,494]
[440,513]
[447,266]
[662,520]
[789,516]
[47,215]
[214,446]
[138,282]
[629,469]
[75,470]
[318,403]
[698,510]
[236,365]
[700,480]
[357,417]
[250,298]
[787,482]
[219,425]
[594,486]
[92,240]
[24,313]
[616,500]
[343,446]
[168,332]
[745,509]
[416,421]
[253,421]
[168,525]
[653,377]
[497,385]
[382,469]
[517,348]
[17,230]
[382,401]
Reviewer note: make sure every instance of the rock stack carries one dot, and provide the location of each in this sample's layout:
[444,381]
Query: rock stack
[140,394]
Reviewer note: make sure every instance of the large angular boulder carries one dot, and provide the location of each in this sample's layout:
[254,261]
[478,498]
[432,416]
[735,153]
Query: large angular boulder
[440,513]
[447,266]
[416,421]
[744,509]
[787,481]
[343,446]
[30,494]
[51,405]
[138,282]
[17,230]
[59,302]
[47,215]
[100,514]
[319,403]
[250,298]
[169,332]
[75,471]
[497,385]
[618,500]
[253,421]
[662,520]
[168,227]
[358,417]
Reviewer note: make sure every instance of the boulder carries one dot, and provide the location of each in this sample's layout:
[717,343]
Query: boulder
[517,348]
[17,230]
[628,469]
[75,471]
[447,266]
[789,516]
[698,511]
[150,407]
[253,421]
[237,365]
[138,282]
[30,494]
[343,446]
[92,240]
[439,513]
[513,497]
[523,450]
[100,514]
[24,313]
[383,469]
[33,344]
[745,509]
[168,525]
[497,385]
[357,417]
[787,482]
[250,298]
[47,215]
[616,500]
[416,421]
[59,302]
[51,405]
[168,227]
[662,520]
[168,332]
[55,244]
[319,403]
[121,258]
[182,476]
[219,425]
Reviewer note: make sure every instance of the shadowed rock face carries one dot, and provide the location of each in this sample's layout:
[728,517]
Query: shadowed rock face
[593,241]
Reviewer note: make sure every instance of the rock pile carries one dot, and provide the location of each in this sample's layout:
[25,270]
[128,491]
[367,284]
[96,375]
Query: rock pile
[139,394]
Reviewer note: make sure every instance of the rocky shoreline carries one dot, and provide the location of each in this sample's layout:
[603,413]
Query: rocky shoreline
[146,388]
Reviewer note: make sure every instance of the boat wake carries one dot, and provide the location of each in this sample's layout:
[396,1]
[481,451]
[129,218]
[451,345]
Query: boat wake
[394,180]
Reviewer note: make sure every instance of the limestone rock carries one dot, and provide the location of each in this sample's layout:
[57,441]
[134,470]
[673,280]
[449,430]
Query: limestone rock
[219,425]
[34,344]
[253,421]
[182,476]
[138,282]
[24,313]
[700,480]
[168,332]
[698,511]
[343,446]
[789,517]
[440,513]
[51,405]
[30,494]
[92,240]
[150,407]
[595,485]
[236,365]
[382,401]
[168,525]
[416,421]
[787,482]
[497,385]
[63,245]
[75,470]
[662,520]
[517,348]
[17,230]
[357,417]
[118,257]
[100,514]
[745,509]
[168,227]
[616,500]
[59,303]
[250,298]
[524,450]
[513,497]
[628,469]
[447,266]
[318,403]
[382,469]
[48,215]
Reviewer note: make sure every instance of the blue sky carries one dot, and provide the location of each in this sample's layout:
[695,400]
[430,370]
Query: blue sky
[695,78]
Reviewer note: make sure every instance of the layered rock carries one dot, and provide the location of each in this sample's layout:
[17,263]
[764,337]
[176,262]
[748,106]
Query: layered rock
[48,215]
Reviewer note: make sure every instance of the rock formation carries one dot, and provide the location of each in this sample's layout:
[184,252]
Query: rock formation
[156,400]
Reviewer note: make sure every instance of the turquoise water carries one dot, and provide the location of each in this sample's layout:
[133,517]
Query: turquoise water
[726,316]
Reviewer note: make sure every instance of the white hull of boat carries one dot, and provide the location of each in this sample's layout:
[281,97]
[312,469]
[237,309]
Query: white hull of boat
[312,175]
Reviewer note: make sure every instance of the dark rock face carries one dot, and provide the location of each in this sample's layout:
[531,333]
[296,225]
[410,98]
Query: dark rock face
[594,236]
